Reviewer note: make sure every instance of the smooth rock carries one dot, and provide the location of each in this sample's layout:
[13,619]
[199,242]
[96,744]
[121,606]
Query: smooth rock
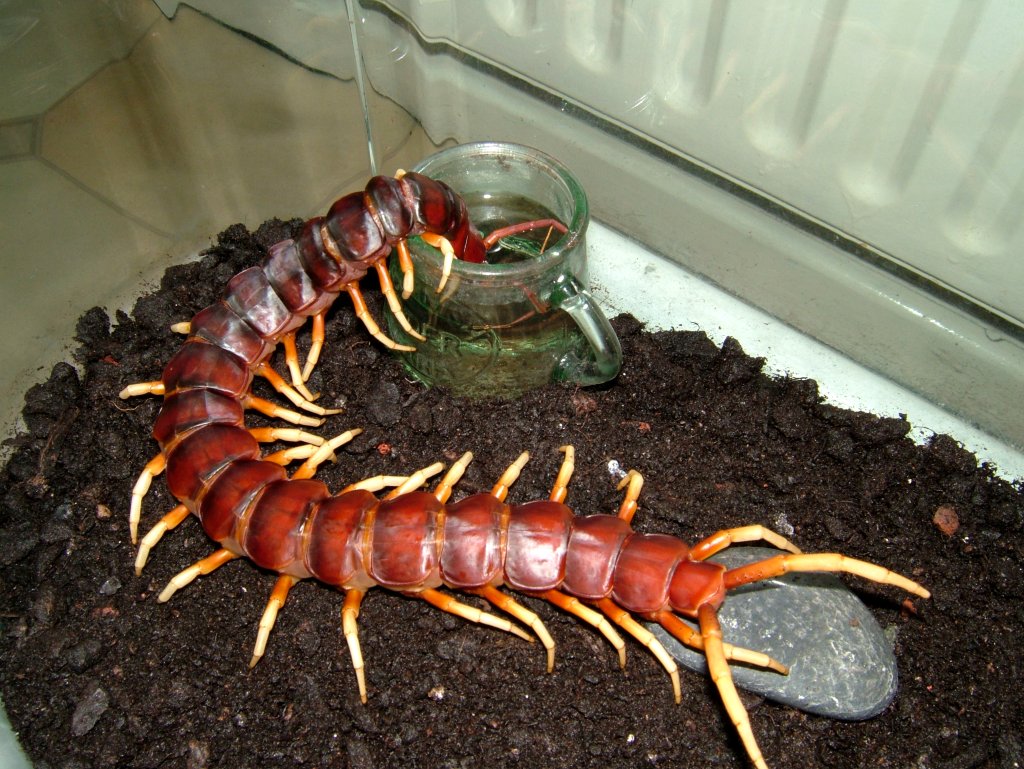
[110,586]
[841,664]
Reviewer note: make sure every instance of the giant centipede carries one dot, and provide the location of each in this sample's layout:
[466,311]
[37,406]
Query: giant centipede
[595,567]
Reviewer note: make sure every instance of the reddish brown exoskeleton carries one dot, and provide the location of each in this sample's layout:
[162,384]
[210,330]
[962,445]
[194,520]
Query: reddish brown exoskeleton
[414,542]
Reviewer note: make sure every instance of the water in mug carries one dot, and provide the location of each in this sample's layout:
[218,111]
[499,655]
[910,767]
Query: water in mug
[485,348]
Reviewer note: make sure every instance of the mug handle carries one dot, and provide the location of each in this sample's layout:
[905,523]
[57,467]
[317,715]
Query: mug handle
[606,352]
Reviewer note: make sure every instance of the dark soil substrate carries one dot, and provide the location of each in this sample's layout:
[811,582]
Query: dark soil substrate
[96,673]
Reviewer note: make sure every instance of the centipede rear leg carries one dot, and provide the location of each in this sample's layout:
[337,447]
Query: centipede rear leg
[692,638]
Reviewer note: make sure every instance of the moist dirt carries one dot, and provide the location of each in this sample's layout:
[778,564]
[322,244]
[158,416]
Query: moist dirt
[94,672]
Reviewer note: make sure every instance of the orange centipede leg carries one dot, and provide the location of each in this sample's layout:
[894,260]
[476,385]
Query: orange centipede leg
[711,632]
[500,490]
[363,313]
[153,468]
[632,483]
[452,605]
[165,524]
[690,637]
[271,409]
[316,345]
[388,289]
[205,565]
[406,265]
[444,488]
[445,247]
[277,382]
[572,605]
[509,605]
[278,596]
[829,562]
[291,358]
[561,486]
[720,540]
[350,629]
[624,620]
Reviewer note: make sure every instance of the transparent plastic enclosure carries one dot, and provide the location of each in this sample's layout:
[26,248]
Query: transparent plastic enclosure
[855,170]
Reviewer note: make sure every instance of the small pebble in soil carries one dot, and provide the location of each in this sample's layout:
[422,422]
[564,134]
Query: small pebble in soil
[946,519]
[89,710]
[84,655]
[841,663]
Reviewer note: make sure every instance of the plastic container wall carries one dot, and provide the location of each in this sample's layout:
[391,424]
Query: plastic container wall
[855,169]
[132,132]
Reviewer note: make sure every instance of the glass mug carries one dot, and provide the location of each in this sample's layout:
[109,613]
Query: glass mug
[525,318]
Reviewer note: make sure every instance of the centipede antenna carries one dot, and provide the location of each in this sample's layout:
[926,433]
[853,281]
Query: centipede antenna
[388,289]
[547,237]
[624,620]
[445,247]
[153,468]
[206,565]
[447,603]
[153,536]
[560,488]
[277,382]
[277,598]
[359,304]
[711,632]
[316,344]
[350,629]
[514,229]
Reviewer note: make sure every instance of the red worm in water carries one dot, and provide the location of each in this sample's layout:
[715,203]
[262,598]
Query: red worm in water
[414,542]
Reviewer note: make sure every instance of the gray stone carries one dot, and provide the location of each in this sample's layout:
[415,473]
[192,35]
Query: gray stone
[88,710]
[841,663]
